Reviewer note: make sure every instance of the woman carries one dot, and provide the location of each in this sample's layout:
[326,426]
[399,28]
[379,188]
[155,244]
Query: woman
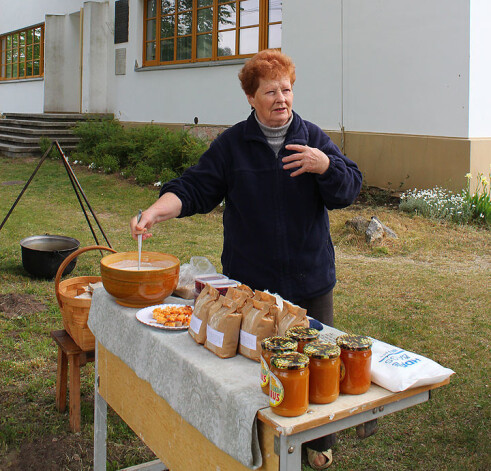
[278,175]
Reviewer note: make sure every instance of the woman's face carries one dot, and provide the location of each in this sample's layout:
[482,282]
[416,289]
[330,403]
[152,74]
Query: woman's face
[273,101]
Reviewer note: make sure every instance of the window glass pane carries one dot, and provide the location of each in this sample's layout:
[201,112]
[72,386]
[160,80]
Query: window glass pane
[29,69]
[15,40]
[249,41]
[223,1]
[150,51]
[9,41]
[151,30]
[226,43]
[21,69]
[205,20]
[14,56]
[226,17]
[36,51]
[185,5]
[29,36]
[35,70]
[14,71]
[184,48]
[167,27]
[274,36]
[29,52]
[22,38]
[168,6]
[151,8]
[185,23]
[249,13]
[21,54]
[205,3]
[37,35]
[204,45]
[275,8]
[167,50]
[9,71]
[9,56]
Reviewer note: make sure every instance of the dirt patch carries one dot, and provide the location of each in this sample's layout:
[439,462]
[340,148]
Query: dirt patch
[14,305]
[51,454]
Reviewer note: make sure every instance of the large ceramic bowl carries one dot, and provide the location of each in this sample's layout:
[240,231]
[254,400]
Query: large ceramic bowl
[144,287]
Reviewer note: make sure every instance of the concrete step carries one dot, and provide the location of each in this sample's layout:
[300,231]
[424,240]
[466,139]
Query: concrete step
[45,131]
[12,150]
[38,124]
[35,140]
[57,116]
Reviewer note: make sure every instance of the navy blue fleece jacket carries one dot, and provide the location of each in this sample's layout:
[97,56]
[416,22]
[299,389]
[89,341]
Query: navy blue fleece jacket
[276,227]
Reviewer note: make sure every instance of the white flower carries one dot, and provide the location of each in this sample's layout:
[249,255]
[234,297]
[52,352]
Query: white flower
[157,184]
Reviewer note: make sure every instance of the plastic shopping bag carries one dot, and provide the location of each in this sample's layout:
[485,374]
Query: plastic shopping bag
[188,272]
[397,369]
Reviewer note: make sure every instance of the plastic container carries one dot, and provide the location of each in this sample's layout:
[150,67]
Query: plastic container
[356,354]
[326,371]
[289,384]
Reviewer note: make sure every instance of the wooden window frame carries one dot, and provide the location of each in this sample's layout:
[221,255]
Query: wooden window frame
[24,62]
[263,25]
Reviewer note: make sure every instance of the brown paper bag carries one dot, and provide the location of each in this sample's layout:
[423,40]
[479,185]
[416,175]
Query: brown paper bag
[246,288]
[239,296]
[258,322]
[222,330]
[199,319]
[265,297]
[291,316]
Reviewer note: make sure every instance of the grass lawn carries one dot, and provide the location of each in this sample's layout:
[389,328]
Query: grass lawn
[427,291]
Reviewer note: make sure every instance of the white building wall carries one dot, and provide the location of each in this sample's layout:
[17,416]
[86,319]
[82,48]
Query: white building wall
[406,66]
[318,88]
[480,69]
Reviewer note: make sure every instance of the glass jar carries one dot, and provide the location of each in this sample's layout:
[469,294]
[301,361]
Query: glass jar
[289,384]
[326,371]
[303,335]
[271,346]
[356,354]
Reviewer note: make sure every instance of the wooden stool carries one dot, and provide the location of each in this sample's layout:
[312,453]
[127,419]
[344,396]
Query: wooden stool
[69,353]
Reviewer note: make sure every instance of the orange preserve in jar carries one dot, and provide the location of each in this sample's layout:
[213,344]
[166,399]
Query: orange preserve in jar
[303,335]
[273,346]
[356,354]
[289,384]
[325,372]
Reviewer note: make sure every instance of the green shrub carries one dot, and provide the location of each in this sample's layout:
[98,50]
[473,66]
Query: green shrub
[44,143]
[149,153]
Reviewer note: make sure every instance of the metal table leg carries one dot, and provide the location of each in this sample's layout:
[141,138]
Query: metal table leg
[289,447]
[100,422]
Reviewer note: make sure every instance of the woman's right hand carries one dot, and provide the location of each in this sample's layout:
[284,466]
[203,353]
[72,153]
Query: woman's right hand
[168,206]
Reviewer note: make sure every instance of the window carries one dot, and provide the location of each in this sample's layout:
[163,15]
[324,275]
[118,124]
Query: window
[22,54]
[182,31]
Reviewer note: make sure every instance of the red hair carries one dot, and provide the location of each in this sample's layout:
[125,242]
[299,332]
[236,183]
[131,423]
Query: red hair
[270,64]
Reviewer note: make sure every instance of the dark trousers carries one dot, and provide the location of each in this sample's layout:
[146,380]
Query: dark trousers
[321,308]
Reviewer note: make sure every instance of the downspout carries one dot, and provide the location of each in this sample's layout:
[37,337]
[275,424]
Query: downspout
[81,50]
[342,80]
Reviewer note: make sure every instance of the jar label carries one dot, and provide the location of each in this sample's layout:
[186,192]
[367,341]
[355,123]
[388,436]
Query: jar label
[276,391]
[264,373]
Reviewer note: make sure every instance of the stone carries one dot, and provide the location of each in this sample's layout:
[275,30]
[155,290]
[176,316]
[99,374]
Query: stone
[375,231]
[358,223]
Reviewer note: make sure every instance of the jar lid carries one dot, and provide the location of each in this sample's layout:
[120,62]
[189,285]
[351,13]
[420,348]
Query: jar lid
[322,350]
[279,344]
[354,342]
[290,361]
[302,333]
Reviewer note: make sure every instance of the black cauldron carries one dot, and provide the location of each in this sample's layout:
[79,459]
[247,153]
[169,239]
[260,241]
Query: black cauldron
[42,255]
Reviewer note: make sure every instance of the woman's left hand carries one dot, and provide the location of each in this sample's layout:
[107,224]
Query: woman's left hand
[307,159]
